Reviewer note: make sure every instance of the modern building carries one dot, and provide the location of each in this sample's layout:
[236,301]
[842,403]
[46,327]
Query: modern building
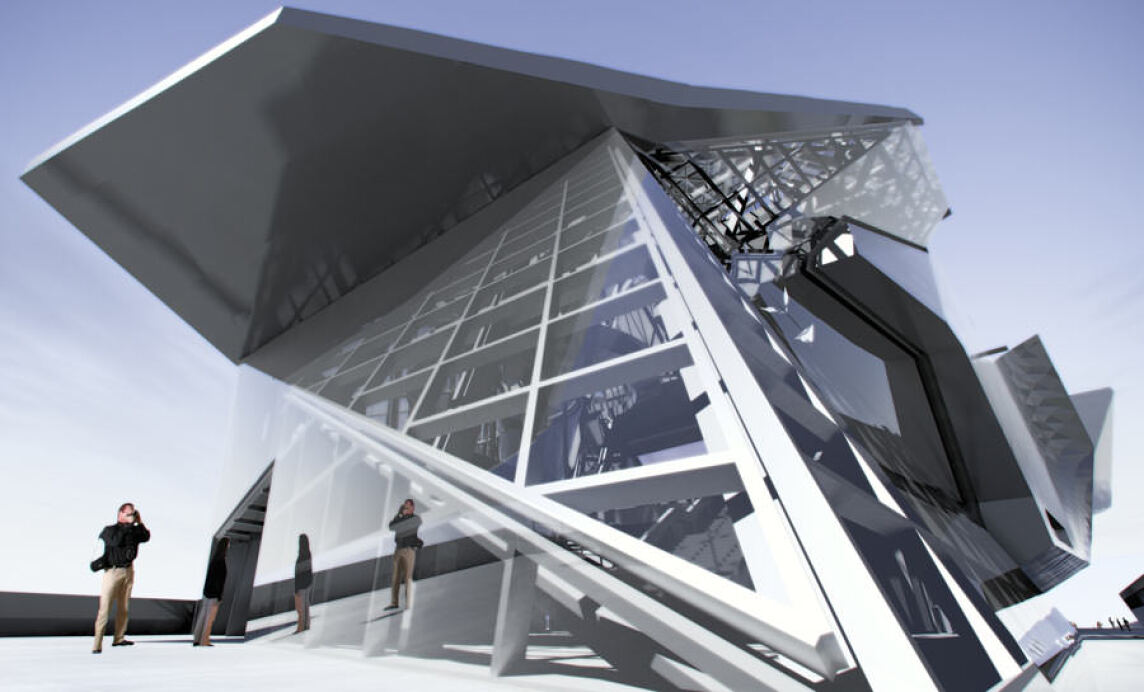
[664,367]
[1133,597]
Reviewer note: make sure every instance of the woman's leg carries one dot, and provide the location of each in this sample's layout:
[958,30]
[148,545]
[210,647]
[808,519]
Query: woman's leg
[206,640]
[298,607]
[411,558]
[395,586]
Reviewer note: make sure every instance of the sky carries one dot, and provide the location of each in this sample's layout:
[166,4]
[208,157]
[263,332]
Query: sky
[1032,122]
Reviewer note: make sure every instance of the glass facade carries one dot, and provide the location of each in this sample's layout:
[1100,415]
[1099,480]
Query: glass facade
[660,370]
[559,318]
[554,402]
[559,364]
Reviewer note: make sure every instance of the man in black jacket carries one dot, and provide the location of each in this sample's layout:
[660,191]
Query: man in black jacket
[120,546]
[404,527]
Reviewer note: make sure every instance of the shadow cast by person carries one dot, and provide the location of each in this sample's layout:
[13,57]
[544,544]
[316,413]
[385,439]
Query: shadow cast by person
[303,582]
[264,631]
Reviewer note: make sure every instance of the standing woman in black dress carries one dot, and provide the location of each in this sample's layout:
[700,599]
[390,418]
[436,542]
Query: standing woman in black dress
[212,588]
[303,579]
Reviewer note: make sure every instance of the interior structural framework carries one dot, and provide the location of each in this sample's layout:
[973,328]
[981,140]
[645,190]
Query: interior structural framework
[664,368]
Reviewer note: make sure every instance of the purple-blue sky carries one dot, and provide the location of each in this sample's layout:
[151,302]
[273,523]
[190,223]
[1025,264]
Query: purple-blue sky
[1031,112]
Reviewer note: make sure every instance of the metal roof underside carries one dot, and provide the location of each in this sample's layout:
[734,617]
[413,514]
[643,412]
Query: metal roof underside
[308,154]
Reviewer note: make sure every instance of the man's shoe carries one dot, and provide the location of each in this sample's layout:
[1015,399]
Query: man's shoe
[392,606]
[97,651]
[123,642]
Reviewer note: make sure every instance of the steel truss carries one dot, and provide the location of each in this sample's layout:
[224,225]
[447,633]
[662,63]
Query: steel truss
[734,191]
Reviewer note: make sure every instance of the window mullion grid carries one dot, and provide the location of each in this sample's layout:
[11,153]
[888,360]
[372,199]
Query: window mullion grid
[390,349]
[416,410]
[530,412]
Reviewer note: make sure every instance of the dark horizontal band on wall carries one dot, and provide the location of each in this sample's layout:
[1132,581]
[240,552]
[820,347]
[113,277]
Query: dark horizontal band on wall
[56,615]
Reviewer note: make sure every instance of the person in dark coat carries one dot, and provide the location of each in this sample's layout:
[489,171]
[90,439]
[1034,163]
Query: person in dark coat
[303,581]
[212,588]
[406,543]
[120,547]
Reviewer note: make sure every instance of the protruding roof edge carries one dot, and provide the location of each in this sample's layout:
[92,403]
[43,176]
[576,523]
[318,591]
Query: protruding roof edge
[576,72]
[157,88]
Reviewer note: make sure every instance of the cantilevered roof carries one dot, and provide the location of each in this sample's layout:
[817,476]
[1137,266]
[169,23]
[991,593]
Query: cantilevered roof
[309,153]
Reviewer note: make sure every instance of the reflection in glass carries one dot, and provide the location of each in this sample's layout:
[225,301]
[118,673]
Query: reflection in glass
[431,322]
[700,530]
[504,289]
[512,246]
[454,291]
[410,359]
[613,427]
[392,403]
[482,374]
[372,349]
[626,324]
[496,323]
[491,445]
[596,246]
[535,216]
[342,388]
[533,254]
[626,271]
[579,227]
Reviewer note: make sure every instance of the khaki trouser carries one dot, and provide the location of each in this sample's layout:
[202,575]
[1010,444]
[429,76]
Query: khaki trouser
[117,583]
[403,560]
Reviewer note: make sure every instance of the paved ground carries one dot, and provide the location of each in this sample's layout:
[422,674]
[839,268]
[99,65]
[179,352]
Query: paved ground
[1104,665]
[171,664]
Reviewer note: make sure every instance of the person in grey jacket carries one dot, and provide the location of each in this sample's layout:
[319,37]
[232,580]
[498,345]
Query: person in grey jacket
[404,527]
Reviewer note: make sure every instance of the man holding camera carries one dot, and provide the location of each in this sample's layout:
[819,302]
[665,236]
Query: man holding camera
[404,527]
[121,544]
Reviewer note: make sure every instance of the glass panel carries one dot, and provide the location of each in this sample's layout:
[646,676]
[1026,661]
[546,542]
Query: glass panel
[490,438]
[485,373]
[547,204]
[589,187]
[613,426]
[431,322]
[410,359]
[580,183]
[392,403]
[876,396]
[372,349]
[700,530]
[626,324]
[492,446]
[504,320]
[526,237]
[625,271]
[579,227]
[533,254]
[462,269]
[455,291]
[342,388]
[515,284]
[593,204]
[595,247]
[323,367]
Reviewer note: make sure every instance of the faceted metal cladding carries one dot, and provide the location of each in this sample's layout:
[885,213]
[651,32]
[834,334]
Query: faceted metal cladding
[663,368]
[310,154]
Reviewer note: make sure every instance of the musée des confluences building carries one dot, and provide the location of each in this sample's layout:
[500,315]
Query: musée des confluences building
[664,367]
